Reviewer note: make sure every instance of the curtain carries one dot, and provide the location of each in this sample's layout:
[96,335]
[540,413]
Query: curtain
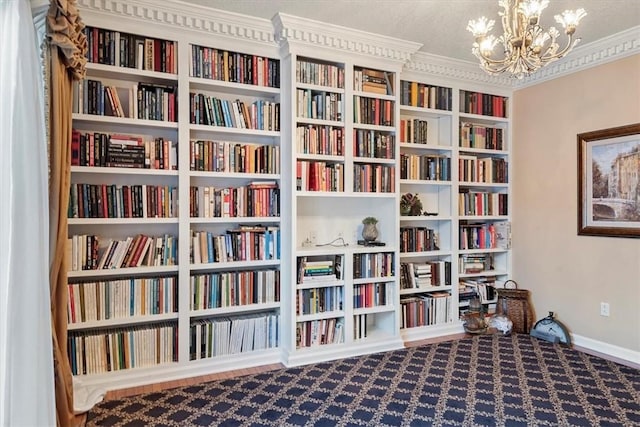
[68,47]
[26,363]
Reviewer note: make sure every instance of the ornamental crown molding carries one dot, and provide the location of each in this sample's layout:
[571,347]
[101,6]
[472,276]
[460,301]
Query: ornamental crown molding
[186,16]
[293,30]
[607,49]
[464,71]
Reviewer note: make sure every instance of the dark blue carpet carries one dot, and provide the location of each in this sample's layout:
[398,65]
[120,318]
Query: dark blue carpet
[486,380]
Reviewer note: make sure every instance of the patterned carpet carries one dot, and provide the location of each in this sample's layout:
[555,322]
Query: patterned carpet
[486,380]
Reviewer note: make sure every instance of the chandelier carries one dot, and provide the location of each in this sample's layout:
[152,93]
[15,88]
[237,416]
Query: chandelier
[527,46]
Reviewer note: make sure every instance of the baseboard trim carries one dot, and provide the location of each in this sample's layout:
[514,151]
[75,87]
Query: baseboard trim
[607,351]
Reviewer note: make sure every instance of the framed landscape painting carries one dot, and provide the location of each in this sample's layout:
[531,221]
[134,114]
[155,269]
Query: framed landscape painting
[609,182]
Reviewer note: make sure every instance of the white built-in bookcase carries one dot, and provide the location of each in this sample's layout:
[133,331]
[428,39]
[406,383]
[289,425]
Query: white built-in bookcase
[318,224]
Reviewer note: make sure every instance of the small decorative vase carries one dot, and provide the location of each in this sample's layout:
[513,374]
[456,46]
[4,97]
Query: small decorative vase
[405,210]
[369,232]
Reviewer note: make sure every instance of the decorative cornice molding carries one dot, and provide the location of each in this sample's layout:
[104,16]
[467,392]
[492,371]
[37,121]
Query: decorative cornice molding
[295,30]
[612,48]
[464,71]
[187,16]
[287,31]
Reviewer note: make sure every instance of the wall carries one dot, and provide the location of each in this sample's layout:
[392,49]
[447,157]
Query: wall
[567,273]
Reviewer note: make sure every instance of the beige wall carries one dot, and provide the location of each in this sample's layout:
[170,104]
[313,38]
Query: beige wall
[567,273]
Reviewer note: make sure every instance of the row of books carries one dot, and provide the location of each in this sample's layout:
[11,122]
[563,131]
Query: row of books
[122,201]
[233,157]
[361,326]
[318,139]
[95,352]
[245,243]
[422,95]
[373,111]
[482,203]
[425,275]
[374,178]
[319,300]
[418,239]
[136,101]
[474,135]
[370,295]
[233,288]
[373,81]
[373,144]
[370,265]
[314,333]
[488,169]
[212,111]
[475,263]
[484,236]
[120,150]
[322,270]
[483,104]
[130,50]
[425,167]
[484,288]
[234,335]
[414,131]
[227,66]
[321,105]
[261,198]
[121,298]
[320,74]
[424,310]
[86,252]
[319,176]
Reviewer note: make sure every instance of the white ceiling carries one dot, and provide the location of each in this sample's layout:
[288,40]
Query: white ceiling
[440,25]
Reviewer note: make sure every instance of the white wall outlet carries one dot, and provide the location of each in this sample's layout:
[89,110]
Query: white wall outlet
[313,237]
[604,309]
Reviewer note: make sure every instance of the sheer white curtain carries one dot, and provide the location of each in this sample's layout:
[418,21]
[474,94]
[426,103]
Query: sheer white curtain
[26,360]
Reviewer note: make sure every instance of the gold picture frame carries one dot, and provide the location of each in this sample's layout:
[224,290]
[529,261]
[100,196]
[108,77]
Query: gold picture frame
[609,182]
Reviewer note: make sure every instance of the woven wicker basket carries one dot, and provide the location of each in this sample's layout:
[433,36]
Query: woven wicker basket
[515,303]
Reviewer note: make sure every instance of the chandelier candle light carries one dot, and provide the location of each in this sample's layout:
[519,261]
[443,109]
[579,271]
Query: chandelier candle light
[527,46]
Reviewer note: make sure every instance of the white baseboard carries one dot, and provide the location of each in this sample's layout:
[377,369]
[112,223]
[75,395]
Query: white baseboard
[608,351]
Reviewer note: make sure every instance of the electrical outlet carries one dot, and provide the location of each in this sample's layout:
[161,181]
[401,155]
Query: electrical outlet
[604,309]
[313,237]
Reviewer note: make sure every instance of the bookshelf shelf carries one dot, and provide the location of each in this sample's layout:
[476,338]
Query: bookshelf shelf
[236,219]
[232,88]
[424,289]
[130,74]
[124,121]
[319,316]
[223,311]
[124,272]
[426,218]
[233,265]
[426,147]
[121,221]
[123,321]
[483,119]
[77,170]
[374,310]
[233,131]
